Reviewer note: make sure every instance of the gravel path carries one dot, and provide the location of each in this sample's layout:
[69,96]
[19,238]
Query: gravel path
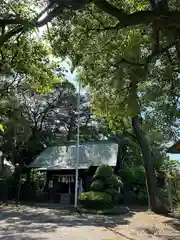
[30,223]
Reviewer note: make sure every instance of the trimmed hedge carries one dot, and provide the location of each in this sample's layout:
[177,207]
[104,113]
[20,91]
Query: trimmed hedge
[103,172]
[104,189]
[113,182]
[111,191]
[97,185]
[95,200]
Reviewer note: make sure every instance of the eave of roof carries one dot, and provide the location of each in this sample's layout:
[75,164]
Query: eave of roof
[172,149]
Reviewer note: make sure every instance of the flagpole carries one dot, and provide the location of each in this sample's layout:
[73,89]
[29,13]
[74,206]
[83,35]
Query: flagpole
[77,146]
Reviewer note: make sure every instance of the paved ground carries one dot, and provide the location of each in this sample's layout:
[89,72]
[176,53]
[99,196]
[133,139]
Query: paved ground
[27,223]
[35,223]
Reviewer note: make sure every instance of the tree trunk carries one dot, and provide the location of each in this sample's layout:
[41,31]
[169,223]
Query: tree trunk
[1,165]
[155,203]
[120,157]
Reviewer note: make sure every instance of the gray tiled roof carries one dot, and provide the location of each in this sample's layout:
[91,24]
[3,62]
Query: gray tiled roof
[64,157]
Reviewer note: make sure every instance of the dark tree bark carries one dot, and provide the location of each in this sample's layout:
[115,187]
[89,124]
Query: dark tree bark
[156,205]
[120,157]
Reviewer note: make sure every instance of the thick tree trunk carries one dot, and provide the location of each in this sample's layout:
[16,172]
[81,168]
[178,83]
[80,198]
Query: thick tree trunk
[155,203]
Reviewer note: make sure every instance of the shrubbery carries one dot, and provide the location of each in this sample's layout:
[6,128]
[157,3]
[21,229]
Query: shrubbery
[96,200]
[97,185]
[104,171]
[104,189]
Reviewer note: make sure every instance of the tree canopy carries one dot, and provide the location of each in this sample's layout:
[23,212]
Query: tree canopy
[126,52]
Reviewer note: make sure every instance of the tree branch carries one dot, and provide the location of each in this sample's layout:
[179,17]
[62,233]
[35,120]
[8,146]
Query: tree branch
[166,19]
[104,28]
[160,51]
[109,8]
[130,63]
[13,21]
[26,25]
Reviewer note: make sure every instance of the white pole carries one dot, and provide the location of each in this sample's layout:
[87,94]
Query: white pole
[77,147]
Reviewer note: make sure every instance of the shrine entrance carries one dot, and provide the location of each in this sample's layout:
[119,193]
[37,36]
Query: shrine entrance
[63,183]
[62,188]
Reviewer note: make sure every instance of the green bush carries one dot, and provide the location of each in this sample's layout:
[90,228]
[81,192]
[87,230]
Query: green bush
[97,185]
[142,197]
[103,172]
[111,191]
[95,200]
[131,175]
[104,190]
[113,182]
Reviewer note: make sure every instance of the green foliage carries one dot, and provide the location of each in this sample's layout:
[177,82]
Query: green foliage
[113,182]
[142,197]
[109,60]
[112,58]
[95,200]
[133,175]
[170,168]
[1,128]
[97,185]
[35,175]
[103,172]
[112,191]
[134,178]
[105,184]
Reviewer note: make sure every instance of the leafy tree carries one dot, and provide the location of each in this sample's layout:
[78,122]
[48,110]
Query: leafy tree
[115,65]
[125,52]
[170,169]
[34,120]
[18,17]
[25,64]
[53,118]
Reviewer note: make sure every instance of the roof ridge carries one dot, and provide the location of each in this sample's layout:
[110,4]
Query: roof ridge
[81,143]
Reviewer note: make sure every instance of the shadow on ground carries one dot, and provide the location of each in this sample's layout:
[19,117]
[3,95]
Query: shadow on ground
[25,223]
[167,234]
[175,224]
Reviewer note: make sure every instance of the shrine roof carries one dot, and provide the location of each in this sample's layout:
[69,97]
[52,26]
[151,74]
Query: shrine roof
[62,157]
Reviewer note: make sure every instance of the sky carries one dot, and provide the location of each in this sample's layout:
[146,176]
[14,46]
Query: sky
[174,157]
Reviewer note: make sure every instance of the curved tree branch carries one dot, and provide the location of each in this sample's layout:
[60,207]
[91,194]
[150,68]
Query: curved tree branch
[25,25]
[166,19]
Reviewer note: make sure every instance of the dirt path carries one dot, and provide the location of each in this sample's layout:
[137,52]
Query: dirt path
[146,225]
[33,223]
